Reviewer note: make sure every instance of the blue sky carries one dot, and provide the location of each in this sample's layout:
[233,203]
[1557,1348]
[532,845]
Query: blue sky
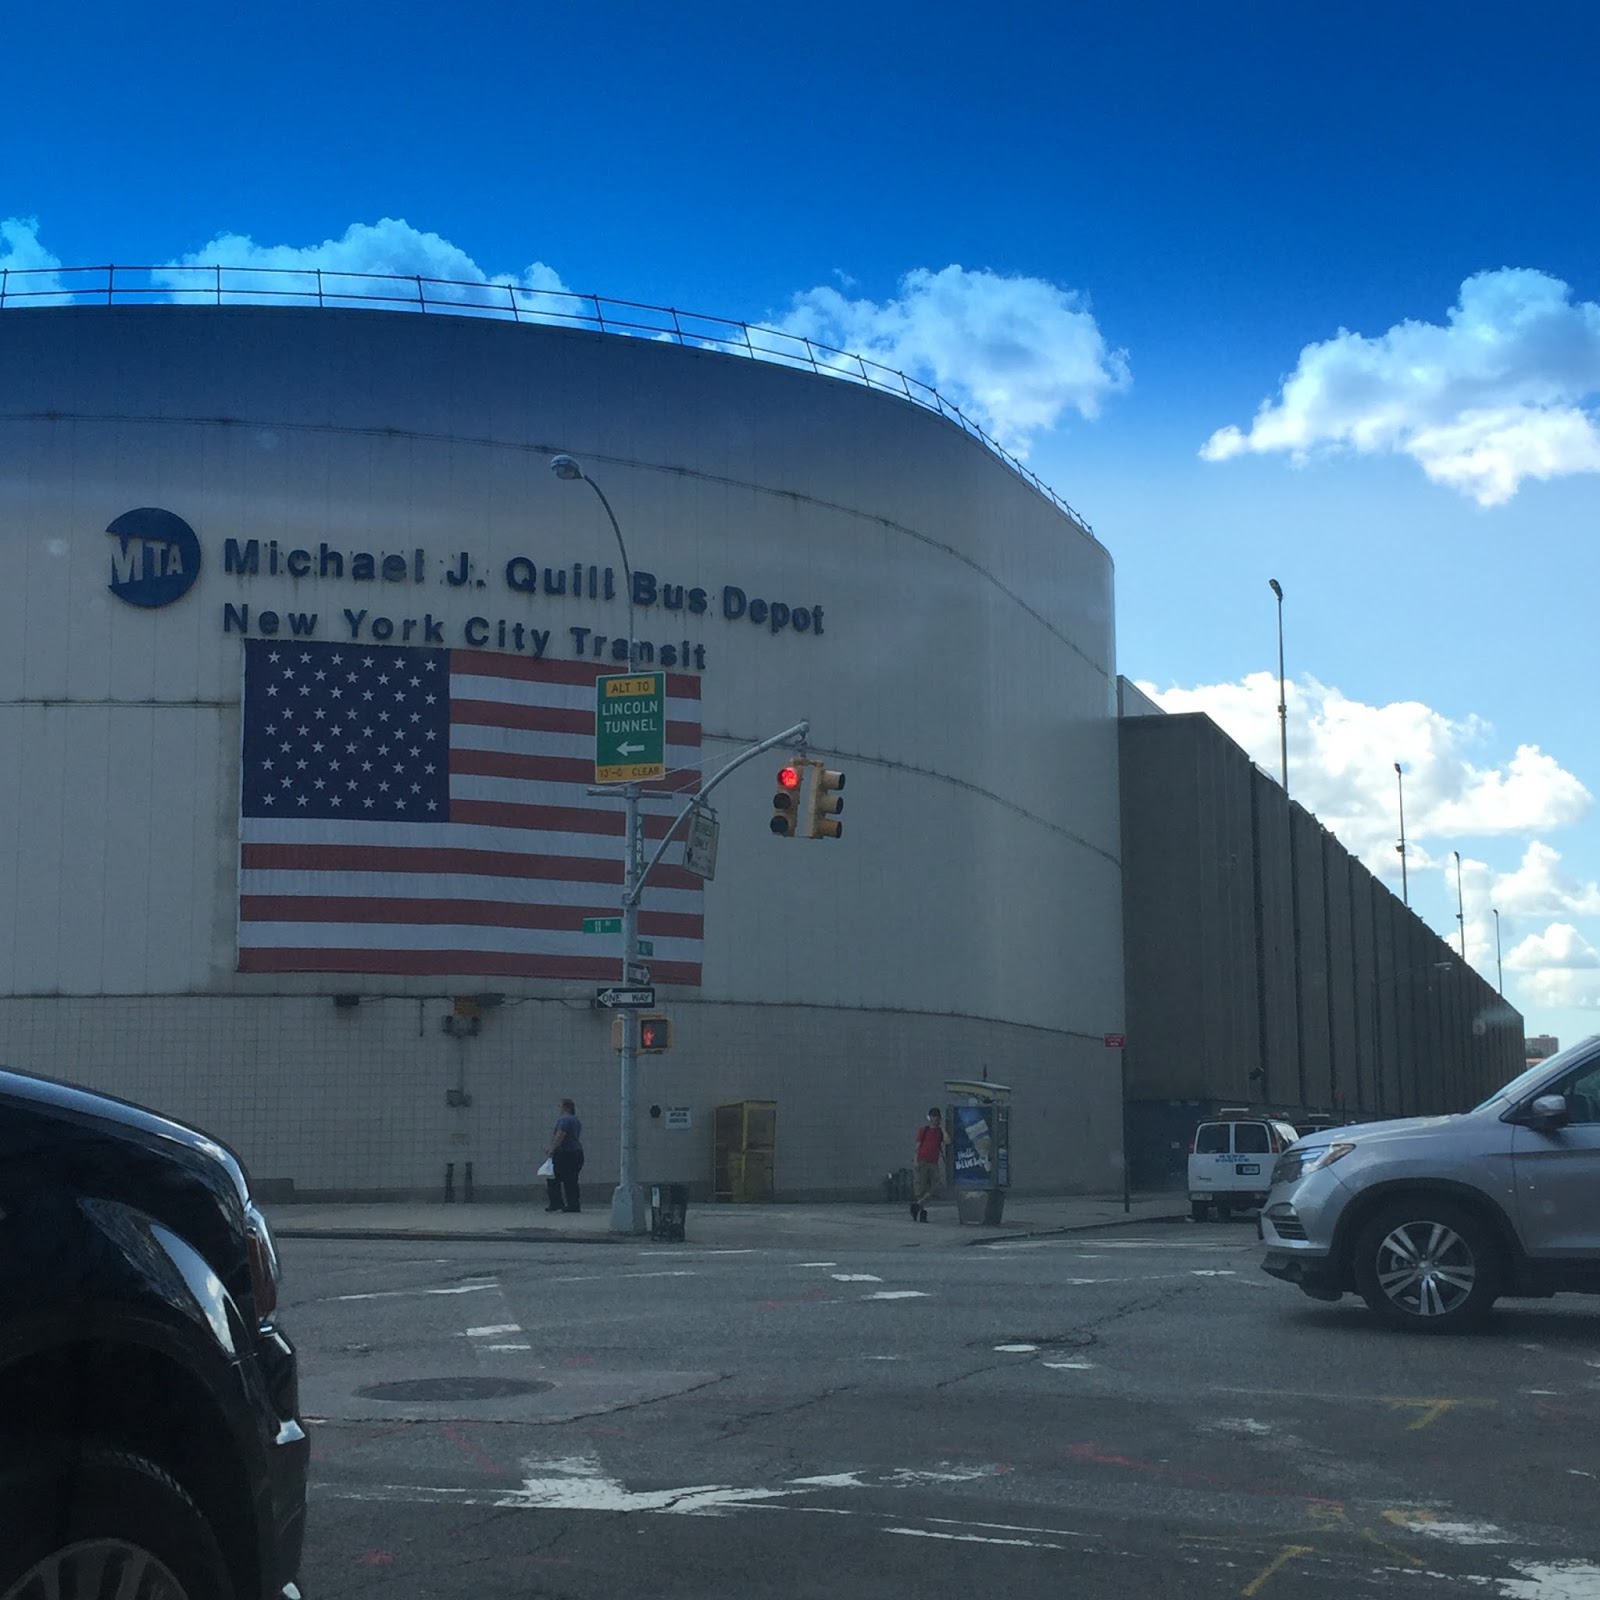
[1113,233]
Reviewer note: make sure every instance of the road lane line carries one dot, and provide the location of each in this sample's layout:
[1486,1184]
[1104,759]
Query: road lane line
[896,1294]
[1281,1560]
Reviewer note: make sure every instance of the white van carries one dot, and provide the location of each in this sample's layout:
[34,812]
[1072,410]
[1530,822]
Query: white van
[1231,1160]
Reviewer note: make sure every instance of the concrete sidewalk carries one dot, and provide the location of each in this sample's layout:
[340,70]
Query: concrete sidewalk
[858,1225]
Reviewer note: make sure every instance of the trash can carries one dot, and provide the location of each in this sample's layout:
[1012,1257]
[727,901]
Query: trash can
[979,1120]
[669,1209]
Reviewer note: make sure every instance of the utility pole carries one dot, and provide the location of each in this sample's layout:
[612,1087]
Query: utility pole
[1461,915]
[1283,694]
[1399,778]
[1499,976]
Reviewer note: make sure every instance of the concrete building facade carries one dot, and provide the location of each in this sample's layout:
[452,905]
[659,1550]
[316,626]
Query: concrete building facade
[381,482]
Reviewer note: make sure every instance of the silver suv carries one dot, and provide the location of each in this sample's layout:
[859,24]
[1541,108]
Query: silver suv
[1431,1219]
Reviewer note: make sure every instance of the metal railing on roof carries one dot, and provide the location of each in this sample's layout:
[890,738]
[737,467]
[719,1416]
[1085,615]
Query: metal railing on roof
[321,286]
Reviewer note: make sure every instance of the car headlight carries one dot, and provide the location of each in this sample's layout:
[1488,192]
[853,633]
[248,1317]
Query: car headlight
[1296,1163]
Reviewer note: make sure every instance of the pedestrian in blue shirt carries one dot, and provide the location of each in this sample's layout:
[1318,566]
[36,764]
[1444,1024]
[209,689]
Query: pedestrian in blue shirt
[566,1156]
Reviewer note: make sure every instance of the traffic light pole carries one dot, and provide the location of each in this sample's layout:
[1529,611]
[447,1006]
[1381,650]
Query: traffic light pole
[627,1199]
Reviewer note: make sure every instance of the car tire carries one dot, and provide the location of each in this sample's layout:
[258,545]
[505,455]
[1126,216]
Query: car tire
[69,1522]
[1198,1210]
[1428,1266]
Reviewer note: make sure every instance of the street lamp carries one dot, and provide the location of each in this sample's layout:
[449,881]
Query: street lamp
[1400,781]
[1461,915]
[1283,698]
[627,1199]
[566,468]
[1499,976]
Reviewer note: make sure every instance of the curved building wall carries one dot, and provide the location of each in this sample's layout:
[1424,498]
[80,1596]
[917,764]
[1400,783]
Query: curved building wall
[958,668]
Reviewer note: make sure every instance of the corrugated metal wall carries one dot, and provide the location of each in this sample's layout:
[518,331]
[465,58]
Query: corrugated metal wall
[1226,883]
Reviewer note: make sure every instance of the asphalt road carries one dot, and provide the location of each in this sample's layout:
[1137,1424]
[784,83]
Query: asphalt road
[1122,1414]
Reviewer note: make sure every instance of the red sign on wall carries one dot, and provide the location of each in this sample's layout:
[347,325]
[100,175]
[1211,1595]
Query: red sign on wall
[1115,1041]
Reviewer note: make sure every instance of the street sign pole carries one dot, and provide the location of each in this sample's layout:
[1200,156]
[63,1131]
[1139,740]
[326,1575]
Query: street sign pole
[627,1200]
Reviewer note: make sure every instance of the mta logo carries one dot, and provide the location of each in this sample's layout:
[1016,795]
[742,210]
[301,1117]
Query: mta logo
[156,557]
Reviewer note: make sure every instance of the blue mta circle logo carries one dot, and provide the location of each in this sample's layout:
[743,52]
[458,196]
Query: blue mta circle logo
[156,558]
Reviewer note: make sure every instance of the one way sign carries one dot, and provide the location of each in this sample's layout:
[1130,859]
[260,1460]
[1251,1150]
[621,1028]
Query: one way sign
[615,998]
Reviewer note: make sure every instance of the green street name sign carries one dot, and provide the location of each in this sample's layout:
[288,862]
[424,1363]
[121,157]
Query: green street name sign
[602,924]
[630,727]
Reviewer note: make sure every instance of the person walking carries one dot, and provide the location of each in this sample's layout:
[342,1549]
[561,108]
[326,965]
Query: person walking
[928,1173]
[566,1158]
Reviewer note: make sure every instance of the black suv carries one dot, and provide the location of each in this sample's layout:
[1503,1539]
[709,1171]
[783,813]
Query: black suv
[149,1438]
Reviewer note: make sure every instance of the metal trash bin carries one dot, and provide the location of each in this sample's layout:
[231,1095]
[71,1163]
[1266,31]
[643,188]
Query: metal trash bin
[979,1121]
[669,1210]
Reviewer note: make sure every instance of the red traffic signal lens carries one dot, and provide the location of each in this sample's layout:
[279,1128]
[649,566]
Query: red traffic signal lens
[788,778]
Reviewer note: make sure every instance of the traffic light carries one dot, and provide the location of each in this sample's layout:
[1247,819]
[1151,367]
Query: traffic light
[655,1035]
[786,803]
[824,803]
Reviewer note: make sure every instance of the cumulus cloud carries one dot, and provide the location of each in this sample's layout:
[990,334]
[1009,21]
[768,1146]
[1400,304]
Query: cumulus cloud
[1493,396]
[1341,767]
[30,269]
[350,265]
[1560,968]
[1015,353]
[1539,888]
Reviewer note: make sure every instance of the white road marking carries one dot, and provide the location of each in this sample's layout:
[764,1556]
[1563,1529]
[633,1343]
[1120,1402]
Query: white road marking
[1542,1580]
[896,1294]
[855,1277]
[609,1277]
[1455,1532]
[493,1328]
[509,1347]
[1016,1349]
[1068,1366]
[975,1538]
[396,1294]
[1211,1272]
[817,1263]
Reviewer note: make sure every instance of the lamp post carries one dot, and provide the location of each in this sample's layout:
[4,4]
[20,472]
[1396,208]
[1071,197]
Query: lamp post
[1283,698]
[627,1199]
[1499,976]
[1461,914]
[1400,781]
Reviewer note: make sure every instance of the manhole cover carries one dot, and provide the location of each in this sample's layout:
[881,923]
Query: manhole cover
[453,1389]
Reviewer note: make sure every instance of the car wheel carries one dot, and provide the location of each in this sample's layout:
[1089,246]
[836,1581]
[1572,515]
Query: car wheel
[1198,1210]
[1427,1265]
[101,1522]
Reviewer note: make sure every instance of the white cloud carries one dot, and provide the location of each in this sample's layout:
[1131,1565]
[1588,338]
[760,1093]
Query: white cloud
[30,268]
[1015,353]
[388,248]
[1560,967]
[1539,888]
[1341,767]
[1481,403]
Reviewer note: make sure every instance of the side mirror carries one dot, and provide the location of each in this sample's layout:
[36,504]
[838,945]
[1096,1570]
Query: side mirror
[1548,1111]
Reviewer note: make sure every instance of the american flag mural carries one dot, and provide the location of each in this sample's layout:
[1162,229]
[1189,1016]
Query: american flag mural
[423,811]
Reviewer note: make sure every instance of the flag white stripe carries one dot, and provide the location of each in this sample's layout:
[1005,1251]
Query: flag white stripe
[463,886]
[542,742]
[440,836]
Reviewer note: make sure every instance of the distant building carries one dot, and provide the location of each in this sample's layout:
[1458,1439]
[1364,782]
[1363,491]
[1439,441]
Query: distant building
[1541,1046]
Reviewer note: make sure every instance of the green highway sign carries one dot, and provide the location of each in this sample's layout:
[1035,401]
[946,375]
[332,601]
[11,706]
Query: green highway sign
[602,924]
[630,727]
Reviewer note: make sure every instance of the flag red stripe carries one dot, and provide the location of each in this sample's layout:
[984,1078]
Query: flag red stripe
[453,913]
[474,963]
[490,664]
[551,819]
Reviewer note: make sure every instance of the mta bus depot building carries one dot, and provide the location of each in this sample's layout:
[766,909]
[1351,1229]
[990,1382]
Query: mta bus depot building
[298,641]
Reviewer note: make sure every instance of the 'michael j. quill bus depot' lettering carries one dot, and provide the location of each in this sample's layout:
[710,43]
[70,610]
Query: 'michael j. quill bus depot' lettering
[522,576]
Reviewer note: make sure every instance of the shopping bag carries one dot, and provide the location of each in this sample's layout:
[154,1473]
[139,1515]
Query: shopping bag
[548,1170]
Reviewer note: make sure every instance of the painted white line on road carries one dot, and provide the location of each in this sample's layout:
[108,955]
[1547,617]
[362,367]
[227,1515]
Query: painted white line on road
[1068,1366]
[1211,1272]
[884,1358]
[1558,1580]
[817,1263]
[493,1328]
[1016,1349]
[855,1277]
[975,1538]
[609,1277]
[896,1294]
[397,1294]
[508,1347]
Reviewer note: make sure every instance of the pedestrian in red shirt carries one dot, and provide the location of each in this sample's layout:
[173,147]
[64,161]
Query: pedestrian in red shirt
[928,1172]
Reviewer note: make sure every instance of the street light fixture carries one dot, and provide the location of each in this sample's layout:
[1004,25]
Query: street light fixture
[1400,781]
[1283,698]
[627,1199]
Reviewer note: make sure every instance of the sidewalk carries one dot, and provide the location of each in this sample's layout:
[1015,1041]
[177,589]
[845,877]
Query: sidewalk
[843,1226]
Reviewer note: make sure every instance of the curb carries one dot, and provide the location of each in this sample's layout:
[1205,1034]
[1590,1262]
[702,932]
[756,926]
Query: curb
[553,1236]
